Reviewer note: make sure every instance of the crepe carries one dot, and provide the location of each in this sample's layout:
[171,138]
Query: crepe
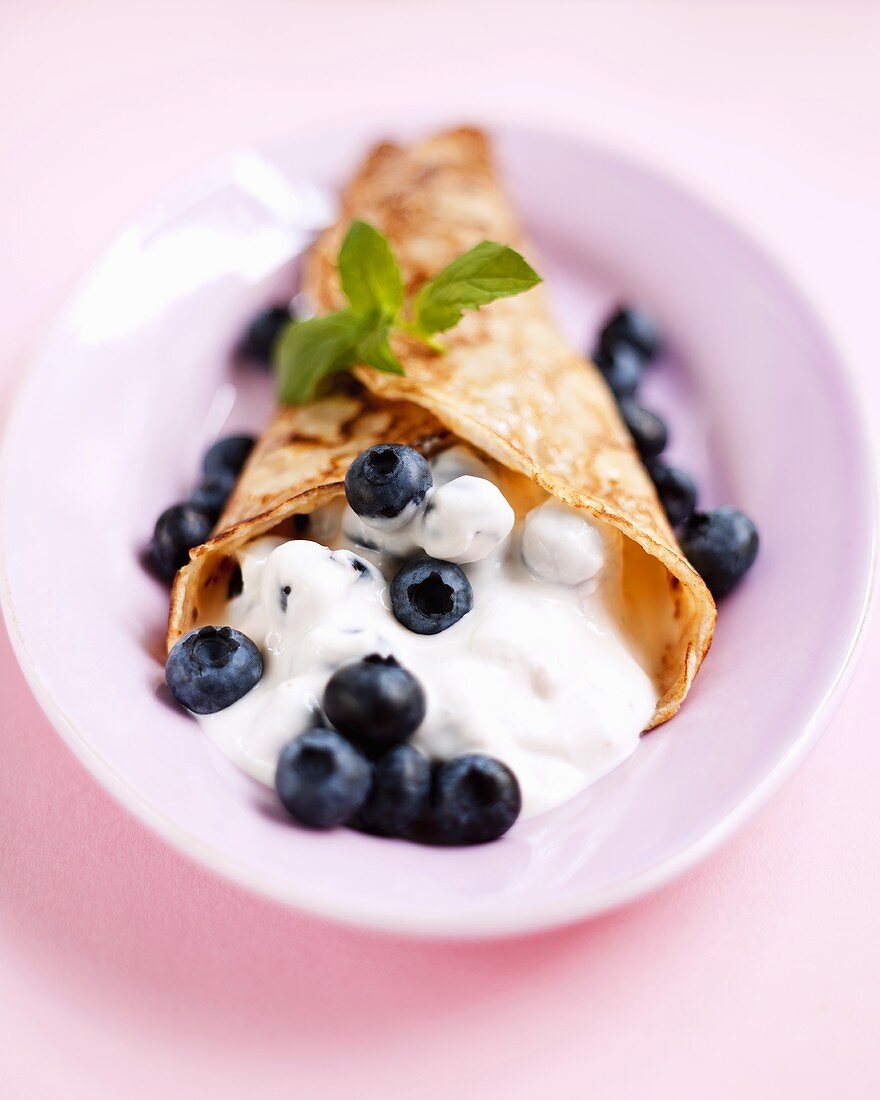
[507,384]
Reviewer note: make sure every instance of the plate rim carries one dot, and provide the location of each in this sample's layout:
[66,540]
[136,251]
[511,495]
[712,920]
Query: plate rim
[524,918]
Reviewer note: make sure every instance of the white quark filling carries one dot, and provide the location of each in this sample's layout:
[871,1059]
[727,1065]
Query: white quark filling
[465,520]
[559,545]
[538,673]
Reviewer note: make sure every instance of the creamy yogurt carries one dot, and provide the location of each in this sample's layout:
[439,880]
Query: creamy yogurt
[465,520]
[539,672]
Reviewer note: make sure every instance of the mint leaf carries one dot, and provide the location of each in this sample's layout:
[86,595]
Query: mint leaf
[374,350]
[488,271]
[369,274]
[310,351]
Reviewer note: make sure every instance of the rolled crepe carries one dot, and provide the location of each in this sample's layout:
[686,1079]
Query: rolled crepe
[507,384]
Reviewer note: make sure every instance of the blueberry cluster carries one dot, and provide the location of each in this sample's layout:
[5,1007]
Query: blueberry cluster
[359,769]
[189,524]
[721,544]
[365,773]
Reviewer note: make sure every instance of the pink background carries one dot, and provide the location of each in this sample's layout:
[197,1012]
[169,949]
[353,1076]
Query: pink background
[127,971]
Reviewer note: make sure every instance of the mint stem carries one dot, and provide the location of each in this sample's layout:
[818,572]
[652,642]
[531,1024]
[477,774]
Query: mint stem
[424,337]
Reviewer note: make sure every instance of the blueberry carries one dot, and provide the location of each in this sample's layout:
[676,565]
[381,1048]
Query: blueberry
[429,595]
[649,432]
[321,779]
[374,701]
[385,480]
[401,785]
[177,531]
[621,368]
[258,342]
[228,455]
[722,546]
[211,668]
[213,493]
[632,327]
[676,489]
[475,798]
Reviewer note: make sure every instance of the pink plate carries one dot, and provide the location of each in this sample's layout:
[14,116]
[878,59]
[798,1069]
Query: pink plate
[135,379]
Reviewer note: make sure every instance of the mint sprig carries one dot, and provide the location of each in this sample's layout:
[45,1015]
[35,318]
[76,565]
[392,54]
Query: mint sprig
[308,352]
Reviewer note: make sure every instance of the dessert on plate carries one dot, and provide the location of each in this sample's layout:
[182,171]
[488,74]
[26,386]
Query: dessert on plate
[443,588]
